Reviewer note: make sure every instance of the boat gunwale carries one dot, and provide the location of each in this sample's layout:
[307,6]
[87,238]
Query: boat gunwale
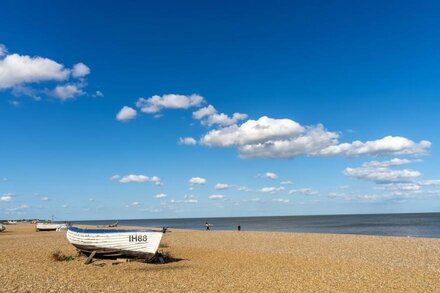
[103,231]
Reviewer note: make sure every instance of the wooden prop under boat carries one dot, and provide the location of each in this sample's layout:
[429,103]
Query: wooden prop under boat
[50,226]
[134,243]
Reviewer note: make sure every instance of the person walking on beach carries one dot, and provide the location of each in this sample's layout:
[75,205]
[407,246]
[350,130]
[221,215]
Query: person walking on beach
[207,226]
[239,228]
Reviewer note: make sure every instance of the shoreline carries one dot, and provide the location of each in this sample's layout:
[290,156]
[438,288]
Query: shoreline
[212,261]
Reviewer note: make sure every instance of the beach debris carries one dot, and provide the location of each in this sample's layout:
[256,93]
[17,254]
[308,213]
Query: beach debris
[58,256]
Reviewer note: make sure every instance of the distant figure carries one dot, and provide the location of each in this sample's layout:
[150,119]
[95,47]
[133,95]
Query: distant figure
[239,228]
[207,226]
[164,229]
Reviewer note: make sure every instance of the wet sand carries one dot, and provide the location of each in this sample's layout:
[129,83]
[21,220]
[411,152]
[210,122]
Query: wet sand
[227,261]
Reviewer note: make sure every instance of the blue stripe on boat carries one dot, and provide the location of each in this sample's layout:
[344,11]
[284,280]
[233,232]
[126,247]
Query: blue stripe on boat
[80,230]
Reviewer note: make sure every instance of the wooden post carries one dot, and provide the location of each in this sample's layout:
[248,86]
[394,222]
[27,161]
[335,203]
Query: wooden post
[90,258]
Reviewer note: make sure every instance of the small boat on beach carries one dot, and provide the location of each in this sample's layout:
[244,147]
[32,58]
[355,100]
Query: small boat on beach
[50,227]
[2,228]
[136,243]
[11,222]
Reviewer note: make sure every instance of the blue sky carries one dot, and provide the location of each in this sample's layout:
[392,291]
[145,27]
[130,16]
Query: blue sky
[126,110]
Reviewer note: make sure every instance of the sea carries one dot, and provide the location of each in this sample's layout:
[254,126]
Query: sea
[411,225]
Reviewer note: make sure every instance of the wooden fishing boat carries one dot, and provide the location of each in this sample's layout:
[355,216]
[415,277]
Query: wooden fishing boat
[137,243]
[50,227]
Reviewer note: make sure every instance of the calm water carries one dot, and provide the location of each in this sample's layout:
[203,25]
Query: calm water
[419,225]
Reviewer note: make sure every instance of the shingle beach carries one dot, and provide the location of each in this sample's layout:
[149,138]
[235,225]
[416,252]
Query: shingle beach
[227,261]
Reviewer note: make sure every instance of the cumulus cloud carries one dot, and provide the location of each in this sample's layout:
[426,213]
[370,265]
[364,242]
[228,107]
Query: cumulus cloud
[389,145]
[68,91]
[286,139]
[209,116]
[380,172]
[304,191]
[160,195]
[139,179]
[156,103]
[271,189]
[187,141]
[252,132]
[197,181]
[286,182]
[7,197]
[80,70]
[270,175]
[126,113]
[115,177]
[221,186]
[216,196]
[17,70]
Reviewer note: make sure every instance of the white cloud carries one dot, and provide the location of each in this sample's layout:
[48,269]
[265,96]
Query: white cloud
[389,145]
[197,181]
[252,132]
[281,200]
[368,198]
[160,195]
[270,175]
[380,172]
[19,69]
[191,200]
[115,177]
[45,198]
[80,70]
[138,179]
[187,141]
[305,191]
[204,112]
[68,91]
[221,186]
[286,182]
[271,189]
[18,209]
[430,182]
[98,94]
[216,196]
[156,103]
[3,50]
[209,116]
[285,139]
[64,206]
[135,204]
[126,113]
[7,197]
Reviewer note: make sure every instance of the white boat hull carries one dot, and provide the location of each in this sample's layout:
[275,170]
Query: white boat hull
[2,228]
[110,242]
[50,227]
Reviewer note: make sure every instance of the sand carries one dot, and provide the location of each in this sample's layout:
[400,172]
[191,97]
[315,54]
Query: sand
[227,261]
